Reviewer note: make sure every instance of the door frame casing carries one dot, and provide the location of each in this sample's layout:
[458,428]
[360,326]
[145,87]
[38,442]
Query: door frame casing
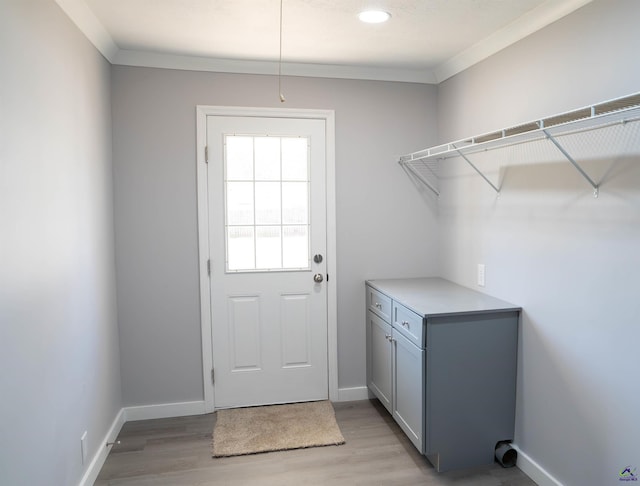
[202,111]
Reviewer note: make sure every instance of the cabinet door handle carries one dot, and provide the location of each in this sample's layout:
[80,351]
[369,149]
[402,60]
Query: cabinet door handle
[387,337]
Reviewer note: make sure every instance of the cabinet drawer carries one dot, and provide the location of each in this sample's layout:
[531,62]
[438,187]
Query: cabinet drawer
[379,303]
[409,324]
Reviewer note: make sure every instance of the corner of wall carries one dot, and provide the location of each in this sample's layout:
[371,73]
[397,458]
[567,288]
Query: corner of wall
[91,474]
[534,470]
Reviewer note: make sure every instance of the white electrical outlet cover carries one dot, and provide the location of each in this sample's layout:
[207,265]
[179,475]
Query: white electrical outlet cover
[481,274]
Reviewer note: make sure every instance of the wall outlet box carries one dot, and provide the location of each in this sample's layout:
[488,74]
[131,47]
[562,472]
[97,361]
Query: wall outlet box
[83,446]
[481,274]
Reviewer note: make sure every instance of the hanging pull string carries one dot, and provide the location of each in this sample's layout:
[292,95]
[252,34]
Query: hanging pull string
[282,99]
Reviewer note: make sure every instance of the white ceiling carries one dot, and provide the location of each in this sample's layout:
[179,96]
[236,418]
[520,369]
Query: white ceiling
[425,41]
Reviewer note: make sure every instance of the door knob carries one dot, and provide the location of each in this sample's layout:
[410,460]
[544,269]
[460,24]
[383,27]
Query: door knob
[318,278]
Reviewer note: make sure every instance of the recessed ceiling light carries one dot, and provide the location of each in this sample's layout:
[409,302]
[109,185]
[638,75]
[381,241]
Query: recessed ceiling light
[374,16]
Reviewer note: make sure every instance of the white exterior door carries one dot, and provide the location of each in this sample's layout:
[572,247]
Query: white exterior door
[267,240]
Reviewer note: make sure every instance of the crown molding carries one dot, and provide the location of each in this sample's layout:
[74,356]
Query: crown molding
[536,19]
[193,63]
[531,22]
[84,18]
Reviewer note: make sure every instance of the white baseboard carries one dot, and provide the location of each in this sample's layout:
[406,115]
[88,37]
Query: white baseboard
[97,462]
[164,410]
[534,470]
[182,409]
[128,414]
[351,394]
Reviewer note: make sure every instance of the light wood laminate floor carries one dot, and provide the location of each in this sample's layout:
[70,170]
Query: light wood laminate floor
[177,451]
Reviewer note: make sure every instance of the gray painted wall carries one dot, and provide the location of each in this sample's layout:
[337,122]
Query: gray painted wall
[383,229]
[570,260]
[60,371]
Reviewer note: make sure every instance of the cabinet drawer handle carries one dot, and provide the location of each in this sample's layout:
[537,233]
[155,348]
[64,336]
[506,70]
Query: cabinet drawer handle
[378,305]
[405,324]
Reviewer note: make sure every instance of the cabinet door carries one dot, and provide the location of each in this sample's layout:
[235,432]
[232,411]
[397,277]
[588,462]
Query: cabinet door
[379,358]
[408,388]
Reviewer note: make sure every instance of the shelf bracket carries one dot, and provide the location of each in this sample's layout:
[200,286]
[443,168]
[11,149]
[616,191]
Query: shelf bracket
[476,169]
[420,177]
[573,162]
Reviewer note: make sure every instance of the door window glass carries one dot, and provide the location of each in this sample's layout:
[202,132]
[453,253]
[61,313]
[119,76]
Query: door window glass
[266,185]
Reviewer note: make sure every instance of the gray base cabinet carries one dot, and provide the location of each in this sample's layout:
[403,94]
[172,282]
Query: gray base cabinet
[379,359]
[442,359]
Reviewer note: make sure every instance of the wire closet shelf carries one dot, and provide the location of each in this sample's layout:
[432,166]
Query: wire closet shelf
[424,164]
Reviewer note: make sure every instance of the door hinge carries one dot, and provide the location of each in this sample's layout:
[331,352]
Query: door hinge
[209,268]
[206,154]
[213,380]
